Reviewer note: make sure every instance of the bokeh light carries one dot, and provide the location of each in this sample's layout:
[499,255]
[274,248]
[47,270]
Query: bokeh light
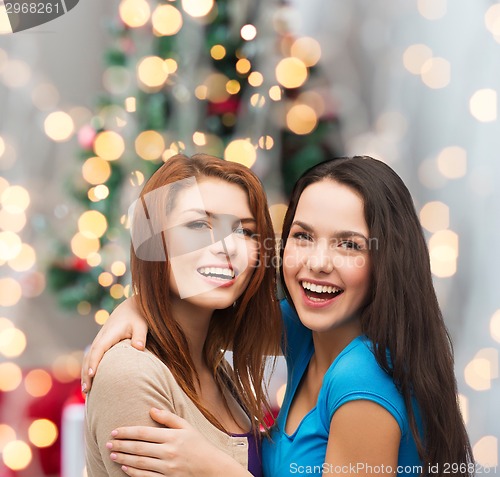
[291,72]
[10,291]
[38,382]
[17,455]
[415,56]
[15,199]
[495,326]
[7,434]
[96,170]
[452,162]
[134,13]
[483,105]
[101,316]
[443,250]
[152,72]
[10,376]
[12,342]
[301,119]
[432,9]
[149,145]
[241,151]
[118,268]
[217,52]
[197,8]
[435,216]
[109,145]
[306,49]
[10,245]
[485,452]
[277,212]
[436,73]
[92,224]
[83,246]
[266,142]
[216,87]
[25,259]
[59,126]
[243,66]
[248,32]
[42,433]
[166,20]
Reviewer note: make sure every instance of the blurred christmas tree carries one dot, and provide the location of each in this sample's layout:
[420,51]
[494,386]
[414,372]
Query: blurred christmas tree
[225,78]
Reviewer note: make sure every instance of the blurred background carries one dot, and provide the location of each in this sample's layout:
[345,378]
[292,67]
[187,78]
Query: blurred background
[92,102]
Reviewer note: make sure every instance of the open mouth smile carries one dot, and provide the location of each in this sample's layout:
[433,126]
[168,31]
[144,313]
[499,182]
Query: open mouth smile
[320,294]
[217,273]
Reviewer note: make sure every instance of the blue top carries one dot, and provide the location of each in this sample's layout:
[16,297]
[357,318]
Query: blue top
[355,374]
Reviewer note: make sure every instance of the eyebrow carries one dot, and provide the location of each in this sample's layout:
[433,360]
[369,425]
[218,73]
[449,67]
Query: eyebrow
[342,234]
[212,214]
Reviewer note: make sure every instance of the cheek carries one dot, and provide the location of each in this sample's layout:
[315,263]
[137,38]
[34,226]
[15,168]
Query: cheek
[293,258]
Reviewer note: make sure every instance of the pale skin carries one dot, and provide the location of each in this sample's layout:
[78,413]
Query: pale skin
[320,251]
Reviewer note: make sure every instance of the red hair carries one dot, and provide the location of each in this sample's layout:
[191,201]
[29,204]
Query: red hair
[251,328]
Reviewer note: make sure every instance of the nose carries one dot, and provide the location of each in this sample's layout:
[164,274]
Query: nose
[227,246]
[319,259]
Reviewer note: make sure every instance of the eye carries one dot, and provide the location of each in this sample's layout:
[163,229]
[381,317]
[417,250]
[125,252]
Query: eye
[198,225]
[302,236]
[244,232]
[350,245]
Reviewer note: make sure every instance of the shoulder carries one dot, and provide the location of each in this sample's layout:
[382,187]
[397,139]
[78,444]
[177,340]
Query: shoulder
[356,375]
[126,370]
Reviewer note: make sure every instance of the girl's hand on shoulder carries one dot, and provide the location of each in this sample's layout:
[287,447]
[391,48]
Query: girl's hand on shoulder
[124,322]
[178,450]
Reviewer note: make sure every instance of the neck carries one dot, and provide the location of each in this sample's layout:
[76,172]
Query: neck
[194,321]
[329,344]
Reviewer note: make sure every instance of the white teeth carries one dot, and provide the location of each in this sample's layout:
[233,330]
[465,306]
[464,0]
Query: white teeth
[320,288]
[225,272]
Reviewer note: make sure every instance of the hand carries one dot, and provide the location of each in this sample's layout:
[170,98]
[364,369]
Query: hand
[125,322]
[179,451]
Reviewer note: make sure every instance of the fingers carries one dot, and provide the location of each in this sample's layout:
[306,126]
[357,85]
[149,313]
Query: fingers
[140,473]
[141,433]
[137,448]
[138,462]
[169,419]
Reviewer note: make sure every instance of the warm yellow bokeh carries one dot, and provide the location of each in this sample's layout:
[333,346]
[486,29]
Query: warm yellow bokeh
[10,376]
[10,291]
[217,52]
[134,13]
[17,455]
[42,433]
[7,434]
[166,20]
[59,126]
[118,268]
[241,151]
[10,245]
[149,145]
[266,142]
[92,224]
[306,49]
[12,342]
[432,9]
[277,212]
[301,119]
[291,72]
[83,246]
[197,8]
[435,216]
[216,87]
[15,199]
[105,279]
[152,72]
[38,382]
[109,145]
[96,170]
[101,316]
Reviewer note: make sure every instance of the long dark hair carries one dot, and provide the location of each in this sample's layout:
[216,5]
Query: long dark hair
[402,314]
[251,328]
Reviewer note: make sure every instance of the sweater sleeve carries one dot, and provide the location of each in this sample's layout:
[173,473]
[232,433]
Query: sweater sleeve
[127,384]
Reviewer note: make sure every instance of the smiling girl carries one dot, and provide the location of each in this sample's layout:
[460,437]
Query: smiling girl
[201,284]
[371,387]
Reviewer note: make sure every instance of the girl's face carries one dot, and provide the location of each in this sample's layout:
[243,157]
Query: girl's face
[326,262]
[211,243]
